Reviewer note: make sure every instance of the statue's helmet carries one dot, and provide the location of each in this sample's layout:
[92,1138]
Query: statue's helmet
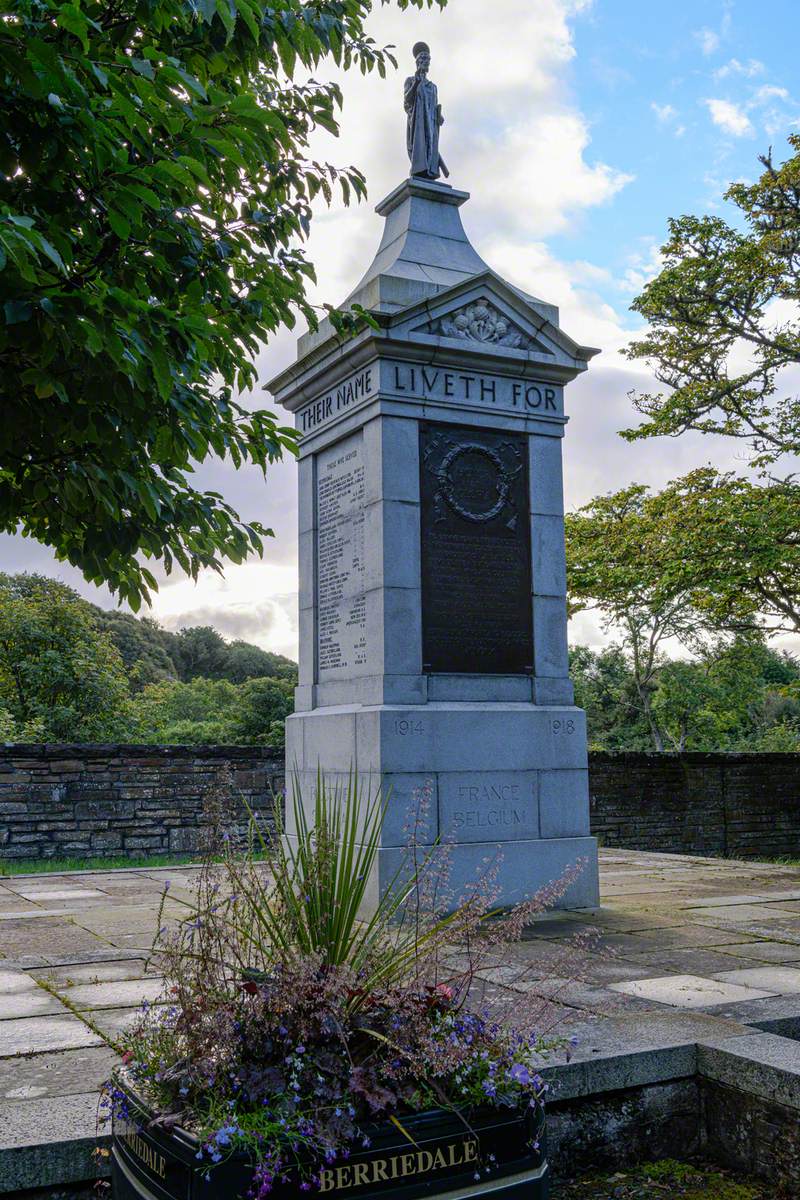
[420,48]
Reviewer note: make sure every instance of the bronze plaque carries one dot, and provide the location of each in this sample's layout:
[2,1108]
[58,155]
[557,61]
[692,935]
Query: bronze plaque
[477,615]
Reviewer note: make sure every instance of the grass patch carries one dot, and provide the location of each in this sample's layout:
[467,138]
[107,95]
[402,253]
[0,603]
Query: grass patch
[60,866]
[56,866]
[668,1178]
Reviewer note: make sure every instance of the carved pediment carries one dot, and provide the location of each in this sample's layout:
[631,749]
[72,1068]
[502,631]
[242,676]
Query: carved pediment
[479,321]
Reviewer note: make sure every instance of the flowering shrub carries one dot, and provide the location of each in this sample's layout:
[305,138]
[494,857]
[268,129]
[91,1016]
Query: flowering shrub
[292,1026]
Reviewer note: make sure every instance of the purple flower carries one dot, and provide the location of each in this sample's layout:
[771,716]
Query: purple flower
[520,1073]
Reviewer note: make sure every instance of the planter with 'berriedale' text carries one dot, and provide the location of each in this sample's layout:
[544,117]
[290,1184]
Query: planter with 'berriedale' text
[489,1152]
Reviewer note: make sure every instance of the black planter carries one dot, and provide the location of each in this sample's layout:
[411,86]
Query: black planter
[151,1164]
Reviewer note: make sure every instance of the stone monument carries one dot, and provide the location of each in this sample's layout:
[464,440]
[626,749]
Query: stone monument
[433,623]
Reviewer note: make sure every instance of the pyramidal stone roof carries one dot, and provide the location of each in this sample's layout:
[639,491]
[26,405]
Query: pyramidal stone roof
[424,251]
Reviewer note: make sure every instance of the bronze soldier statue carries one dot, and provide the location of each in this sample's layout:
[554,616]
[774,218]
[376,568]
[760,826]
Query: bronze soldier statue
[424,118]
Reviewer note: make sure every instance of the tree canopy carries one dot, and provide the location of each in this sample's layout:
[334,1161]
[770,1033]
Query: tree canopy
[61,678]
[155,190]
[723,320]
[742,696]
[621,560]
[72,672]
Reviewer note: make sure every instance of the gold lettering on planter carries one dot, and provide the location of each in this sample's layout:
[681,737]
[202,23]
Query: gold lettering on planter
[380,1170]
[146,1153]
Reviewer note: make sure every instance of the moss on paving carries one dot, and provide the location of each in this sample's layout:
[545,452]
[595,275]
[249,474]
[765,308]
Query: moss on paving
[667,1179]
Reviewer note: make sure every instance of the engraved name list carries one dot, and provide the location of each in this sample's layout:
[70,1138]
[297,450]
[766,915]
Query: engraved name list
[341,602]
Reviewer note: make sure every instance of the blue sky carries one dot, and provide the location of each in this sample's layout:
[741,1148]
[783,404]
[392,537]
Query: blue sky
[579,127]
[684,97]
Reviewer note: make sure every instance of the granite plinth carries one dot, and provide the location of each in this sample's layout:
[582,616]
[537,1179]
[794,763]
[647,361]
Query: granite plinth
[505,783]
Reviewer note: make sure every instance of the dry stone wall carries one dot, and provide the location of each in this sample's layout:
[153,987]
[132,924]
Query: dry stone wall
[80,801]
[729,805]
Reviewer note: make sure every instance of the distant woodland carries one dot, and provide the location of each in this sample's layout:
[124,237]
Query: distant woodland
[73,672]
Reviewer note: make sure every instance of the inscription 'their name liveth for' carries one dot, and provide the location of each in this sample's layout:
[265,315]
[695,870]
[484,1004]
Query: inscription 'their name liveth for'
[341,611]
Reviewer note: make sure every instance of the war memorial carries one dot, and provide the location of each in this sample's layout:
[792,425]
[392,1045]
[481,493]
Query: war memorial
[433,621]
[433,659]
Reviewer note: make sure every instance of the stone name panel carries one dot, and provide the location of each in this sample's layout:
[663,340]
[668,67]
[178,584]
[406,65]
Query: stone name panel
[488,806]
[420,381]
[348,394]
[341,601]
[458,387]
[476,567]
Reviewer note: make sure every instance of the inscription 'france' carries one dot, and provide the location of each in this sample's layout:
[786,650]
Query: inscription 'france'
[341,602]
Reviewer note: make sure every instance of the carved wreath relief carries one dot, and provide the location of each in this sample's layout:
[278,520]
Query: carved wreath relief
[480,322]
[472,479]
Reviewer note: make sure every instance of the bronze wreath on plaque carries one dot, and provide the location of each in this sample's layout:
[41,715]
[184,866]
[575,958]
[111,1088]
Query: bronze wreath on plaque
[468,496]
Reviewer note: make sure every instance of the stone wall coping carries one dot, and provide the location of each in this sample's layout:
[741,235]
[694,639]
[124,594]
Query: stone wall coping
[46,749]
[132,749]
[761,1064]
[51,1141]
[692,757]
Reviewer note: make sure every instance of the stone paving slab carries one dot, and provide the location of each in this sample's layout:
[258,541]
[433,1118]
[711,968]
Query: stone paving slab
[766,951]
[97,972]
[783,981]
[28,1004]
[689,991]
[127,993]
[34,1035]
[65,1073]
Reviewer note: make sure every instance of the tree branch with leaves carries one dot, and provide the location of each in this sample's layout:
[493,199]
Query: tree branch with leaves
[723,321]
[155,192]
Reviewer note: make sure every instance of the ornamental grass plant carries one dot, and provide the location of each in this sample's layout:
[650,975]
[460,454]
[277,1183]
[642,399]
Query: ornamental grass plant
[293,1020]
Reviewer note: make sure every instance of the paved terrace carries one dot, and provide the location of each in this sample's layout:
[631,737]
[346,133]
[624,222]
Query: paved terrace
[690,950]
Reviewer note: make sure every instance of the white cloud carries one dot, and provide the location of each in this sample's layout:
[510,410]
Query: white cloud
[665,113]
[766,93]
[513,136]
[255,601]
[707,40]
[734,67]
[730,118]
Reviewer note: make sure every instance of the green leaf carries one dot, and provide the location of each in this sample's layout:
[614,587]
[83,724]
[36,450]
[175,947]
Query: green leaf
[72,19]
[119,223]
[17,311]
